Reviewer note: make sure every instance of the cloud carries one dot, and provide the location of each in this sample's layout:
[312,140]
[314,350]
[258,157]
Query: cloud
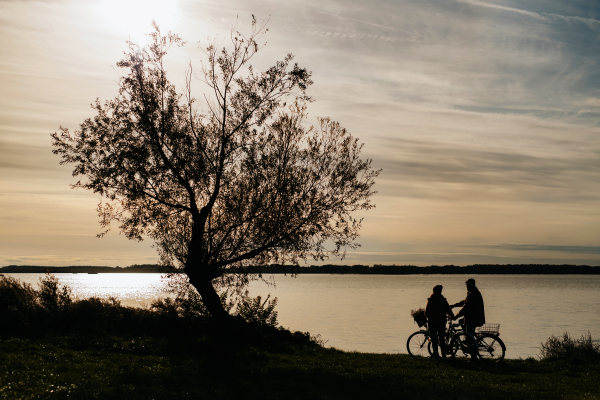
[452,163]
[479,113]
[540,16]
[456,258]
[62,260]
[498,7]
[460,155]
[359,21]
[541,247]
[349,35]
[27,157]
[588,21]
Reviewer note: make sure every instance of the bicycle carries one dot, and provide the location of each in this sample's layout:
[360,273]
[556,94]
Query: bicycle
[459,343]
[491,347]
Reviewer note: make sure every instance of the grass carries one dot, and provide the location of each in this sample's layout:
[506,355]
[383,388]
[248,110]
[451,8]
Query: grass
[55,347]
[112,367]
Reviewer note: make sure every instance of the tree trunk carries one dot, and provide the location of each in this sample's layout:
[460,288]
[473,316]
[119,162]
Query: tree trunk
[198,275]
[210,298]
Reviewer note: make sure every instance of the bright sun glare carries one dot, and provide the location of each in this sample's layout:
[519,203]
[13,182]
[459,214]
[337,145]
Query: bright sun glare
[134,16]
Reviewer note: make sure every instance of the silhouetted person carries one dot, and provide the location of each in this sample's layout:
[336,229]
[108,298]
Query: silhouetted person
[436,311]
[472,309]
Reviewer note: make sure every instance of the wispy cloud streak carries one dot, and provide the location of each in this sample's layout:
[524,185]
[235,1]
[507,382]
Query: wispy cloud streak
[499,7]
[541,247]
[533,14]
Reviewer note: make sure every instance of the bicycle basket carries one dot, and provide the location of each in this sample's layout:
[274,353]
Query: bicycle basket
[489,328]
[419,317]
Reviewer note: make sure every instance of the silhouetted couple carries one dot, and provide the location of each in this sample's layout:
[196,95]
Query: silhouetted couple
[437,308]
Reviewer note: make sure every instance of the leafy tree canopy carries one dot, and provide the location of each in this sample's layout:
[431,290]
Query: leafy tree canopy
[241,182]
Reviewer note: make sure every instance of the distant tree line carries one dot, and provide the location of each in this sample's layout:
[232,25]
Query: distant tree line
[35,269]
[377,269]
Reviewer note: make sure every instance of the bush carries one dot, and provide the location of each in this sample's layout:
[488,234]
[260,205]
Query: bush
[52,296]
[254,310]
[566,347]
[25,310]
[18,302]
[29,312]
[186,305]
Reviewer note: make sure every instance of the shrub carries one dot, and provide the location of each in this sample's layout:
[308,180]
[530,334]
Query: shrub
[18,302]
[50,308]
[256,311]
[25,310]
[186,305]
[52,296]
[566,347]
[15,295]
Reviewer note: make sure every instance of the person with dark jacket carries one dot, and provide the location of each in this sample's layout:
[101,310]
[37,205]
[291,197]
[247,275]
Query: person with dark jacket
[436,311]
[472,308]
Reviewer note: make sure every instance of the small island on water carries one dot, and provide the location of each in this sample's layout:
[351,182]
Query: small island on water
[377,269]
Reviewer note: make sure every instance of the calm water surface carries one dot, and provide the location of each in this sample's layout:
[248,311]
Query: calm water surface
[132,289]
[371,313]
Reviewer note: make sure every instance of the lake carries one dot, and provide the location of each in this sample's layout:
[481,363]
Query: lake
[371,313]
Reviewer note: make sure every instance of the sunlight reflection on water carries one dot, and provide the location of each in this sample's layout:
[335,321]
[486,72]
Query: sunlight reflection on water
[371,313]
[132,289]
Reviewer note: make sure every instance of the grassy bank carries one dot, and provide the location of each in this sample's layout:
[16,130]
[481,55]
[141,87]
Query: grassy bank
[53,346]
[110,367]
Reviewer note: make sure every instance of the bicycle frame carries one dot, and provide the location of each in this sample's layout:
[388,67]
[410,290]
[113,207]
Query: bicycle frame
[458,339]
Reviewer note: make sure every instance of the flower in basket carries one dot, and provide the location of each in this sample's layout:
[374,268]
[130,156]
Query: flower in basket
[419,316]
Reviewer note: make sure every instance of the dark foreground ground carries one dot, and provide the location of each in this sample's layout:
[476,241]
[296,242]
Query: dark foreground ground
[117,367]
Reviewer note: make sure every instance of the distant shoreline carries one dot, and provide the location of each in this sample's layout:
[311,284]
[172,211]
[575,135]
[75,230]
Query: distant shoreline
[377,269]
[36,269]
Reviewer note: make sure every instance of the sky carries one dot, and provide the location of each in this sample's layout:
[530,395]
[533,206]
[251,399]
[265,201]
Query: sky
[484,117]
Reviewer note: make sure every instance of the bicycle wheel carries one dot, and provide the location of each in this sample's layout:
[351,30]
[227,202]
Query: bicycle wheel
[417,344]
[491,347]
[463,346]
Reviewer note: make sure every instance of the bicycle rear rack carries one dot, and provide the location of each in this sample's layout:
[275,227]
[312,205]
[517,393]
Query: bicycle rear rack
[489,328]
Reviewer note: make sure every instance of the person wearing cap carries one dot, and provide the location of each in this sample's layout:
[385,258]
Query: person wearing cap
[436,311]
[472,308]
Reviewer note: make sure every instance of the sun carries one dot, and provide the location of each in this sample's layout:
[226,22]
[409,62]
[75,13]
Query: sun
[133,17]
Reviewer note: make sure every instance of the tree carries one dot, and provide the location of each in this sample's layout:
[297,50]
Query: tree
[243,185]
